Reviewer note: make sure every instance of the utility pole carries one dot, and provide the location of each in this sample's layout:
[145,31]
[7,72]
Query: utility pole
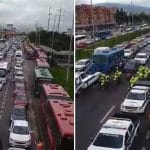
[36,27]
[49,15]
[69,57]
[55,17]
[39,34]
[92,21]
[59,19]
[132,13]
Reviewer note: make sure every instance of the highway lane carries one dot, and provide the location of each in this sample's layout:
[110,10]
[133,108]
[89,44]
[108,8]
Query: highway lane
[6,104]
[94,106]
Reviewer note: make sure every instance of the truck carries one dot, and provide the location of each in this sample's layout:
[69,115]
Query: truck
[118,132]
[82,80]
[137,98]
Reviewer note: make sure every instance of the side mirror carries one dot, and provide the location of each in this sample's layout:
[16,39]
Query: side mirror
[91,139]
[9,129]
[128,143]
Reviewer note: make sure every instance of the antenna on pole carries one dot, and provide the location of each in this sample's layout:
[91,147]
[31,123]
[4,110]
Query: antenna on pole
[49,15]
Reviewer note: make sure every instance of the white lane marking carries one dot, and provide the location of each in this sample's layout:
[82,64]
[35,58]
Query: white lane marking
[1,111]
[3,102]
[143,148]
[0,116]
[106,115]
[2,106]
[147,135]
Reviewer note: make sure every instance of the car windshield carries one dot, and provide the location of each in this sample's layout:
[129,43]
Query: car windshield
[141,56]
[19,75]
[20,112]
[21,130]
[136,96]
[108,140]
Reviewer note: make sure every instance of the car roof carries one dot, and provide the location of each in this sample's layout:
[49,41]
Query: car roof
[21,123]
[117,123]
[141,54]
[113,131]
[83,60]
[137,91]
[14,148]
[140,87]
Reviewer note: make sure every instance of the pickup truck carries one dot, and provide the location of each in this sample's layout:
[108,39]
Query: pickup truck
[137,98]
[82,80]
[118,132]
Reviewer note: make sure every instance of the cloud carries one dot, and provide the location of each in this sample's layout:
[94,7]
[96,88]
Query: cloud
[24,13]
[136,2]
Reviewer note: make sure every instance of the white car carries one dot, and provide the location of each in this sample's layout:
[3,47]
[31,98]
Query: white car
[20,134]
[82,80]
[136,100]
[1,85]
[128,53]
[82,65]
[142,58]
[18,67]
[18,54]
[118,133]
[20,60]
[14,148]
[19,75]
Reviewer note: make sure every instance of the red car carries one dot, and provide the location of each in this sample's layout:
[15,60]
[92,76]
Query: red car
[21,99]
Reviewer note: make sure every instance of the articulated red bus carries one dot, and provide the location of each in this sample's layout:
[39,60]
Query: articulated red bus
[41,54]
[42,63]
[58,116]
[29,52]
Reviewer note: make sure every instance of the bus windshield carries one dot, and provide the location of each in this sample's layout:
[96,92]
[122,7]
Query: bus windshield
[2,73]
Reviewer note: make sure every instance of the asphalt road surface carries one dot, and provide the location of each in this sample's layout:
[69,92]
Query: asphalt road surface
[93,108]
[6,103]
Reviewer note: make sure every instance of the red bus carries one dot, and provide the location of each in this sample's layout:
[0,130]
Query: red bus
[41,54]
[58,117]
[42,63]
[30,53]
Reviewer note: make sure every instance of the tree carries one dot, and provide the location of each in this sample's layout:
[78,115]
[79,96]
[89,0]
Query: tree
[121,16]
[61,40]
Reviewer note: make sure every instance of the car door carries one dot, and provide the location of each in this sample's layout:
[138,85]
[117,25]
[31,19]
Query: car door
[127,141]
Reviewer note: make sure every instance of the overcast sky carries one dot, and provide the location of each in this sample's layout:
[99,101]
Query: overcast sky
[145,3]
[25,13]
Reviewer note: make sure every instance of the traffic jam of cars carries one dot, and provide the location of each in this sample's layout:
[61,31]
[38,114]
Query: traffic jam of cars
[112,97]
[27,88]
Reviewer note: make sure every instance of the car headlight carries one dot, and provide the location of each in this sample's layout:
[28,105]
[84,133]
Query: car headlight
[139,108]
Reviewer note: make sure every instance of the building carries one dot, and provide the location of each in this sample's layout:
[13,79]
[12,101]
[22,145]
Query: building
[8,32]
[102,16]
